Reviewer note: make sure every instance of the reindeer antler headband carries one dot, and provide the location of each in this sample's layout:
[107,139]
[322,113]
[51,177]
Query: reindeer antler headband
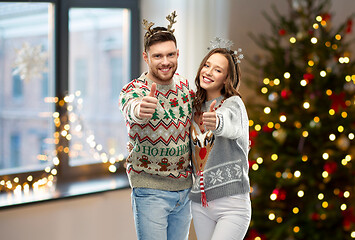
[218,42]
[171,18]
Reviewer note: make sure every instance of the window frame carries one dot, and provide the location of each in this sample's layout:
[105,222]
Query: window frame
[67,173]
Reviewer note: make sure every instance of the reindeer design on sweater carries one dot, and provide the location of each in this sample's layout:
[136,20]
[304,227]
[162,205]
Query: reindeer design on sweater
[203,144]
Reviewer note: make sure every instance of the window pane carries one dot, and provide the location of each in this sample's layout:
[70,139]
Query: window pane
[98,67]
[15,146]
[26,82]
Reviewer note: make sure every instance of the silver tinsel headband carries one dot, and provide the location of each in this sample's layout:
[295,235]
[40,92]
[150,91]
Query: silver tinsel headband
[218,42]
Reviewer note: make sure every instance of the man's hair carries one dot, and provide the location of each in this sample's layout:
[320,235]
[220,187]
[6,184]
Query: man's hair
[158,34]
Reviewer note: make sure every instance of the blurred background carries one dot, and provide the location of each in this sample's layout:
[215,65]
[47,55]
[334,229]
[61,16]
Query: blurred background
[63,138]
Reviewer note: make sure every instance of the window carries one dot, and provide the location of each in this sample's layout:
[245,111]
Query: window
[96,36]
[45,85]
[26,62]
[80,79]
[15,152]
[16,86]
[116,75]
[63,64]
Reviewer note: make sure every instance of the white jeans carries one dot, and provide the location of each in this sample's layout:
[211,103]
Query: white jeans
[226,218]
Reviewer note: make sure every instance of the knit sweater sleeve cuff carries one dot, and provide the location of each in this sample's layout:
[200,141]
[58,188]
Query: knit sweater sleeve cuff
[134,110]
[220,123]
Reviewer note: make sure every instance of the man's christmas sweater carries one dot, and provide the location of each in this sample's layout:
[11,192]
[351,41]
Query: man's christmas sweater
[160,157]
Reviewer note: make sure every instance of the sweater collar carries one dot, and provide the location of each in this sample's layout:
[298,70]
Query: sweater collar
[207,104]
[160,87]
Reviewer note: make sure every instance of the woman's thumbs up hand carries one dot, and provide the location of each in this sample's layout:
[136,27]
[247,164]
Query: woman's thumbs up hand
[210,118]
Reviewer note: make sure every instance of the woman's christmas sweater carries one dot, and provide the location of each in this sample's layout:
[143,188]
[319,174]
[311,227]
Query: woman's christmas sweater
[160,157]
[220,157]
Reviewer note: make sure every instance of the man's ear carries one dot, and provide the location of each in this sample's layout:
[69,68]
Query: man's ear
[177,52]
[145,57]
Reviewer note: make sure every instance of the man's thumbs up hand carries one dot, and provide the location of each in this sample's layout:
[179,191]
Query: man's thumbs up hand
[210,118]
[152,90]
[148,104]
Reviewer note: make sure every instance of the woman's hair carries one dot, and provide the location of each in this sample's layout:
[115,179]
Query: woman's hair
[231,86]
[158,34]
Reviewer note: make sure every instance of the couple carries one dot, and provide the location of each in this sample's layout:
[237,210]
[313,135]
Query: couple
[170,127]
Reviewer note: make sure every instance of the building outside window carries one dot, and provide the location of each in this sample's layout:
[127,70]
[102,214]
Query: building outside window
[26,47]
[96,36]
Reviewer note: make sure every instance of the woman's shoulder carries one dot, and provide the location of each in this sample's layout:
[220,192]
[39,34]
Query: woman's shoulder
[234,100]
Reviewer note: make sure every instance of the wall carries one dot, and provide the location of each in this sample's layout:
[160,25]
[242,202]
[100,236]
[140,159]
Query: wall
[100,216]
[105,215]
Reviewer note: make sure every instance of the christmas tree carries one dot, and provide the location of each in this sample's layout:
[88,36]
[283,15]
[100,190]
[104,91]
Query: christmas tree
[181,112]
[172,114]
[155,115]
[302,153]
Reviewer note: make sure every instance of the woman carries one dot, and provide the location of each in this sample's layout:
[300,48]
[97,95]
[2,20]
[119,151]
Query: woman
[221,207]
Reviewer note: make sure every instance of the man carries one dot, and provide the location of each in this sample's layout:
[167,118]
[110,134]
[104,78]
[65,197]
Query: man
[157,109]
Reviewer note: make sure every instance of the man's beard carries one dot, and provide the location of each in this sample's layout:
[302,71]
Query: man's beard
[161,77]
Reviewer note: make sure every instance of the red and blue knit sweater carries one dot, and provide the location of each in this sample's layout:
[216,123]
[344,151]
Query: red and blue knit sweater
[160,158]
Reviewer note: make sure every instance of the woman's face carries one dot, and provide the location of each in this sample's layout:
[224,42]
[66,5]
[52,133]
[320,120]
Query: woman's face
[213,75]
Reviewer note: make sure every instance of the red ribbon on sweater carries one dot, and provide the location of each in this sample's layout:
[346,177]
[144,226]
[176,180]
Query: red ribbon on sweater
[202,189]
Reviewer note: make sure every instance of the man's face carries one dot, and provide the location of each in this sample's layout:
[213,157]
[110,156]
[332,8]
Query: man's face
[162,61]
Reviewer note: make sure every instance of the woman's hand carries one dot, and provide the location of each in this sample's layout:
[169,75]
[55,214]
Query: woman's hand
[209,119]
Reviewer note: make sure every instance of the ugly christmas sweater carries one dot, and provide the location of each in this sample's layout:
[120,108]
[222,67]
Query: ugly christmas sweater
[160,158]
[220,157]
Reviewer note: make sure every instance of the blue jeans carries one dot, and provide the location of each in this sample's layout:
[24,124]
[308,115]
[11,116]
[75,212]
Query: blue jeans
[161,215]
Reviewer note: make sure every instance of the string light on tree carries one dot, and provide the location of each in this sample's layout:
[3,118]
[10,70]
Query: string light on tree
[308,82]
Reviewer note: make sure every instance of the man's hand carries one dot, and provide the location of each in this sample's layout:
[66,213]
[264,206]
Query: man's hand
[209,119]
[148,104]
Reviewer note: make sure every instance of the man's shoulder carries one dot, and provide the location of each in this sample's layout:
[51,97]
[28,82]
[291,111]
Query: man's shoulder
[181,81]
[177,76]
[135,83]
